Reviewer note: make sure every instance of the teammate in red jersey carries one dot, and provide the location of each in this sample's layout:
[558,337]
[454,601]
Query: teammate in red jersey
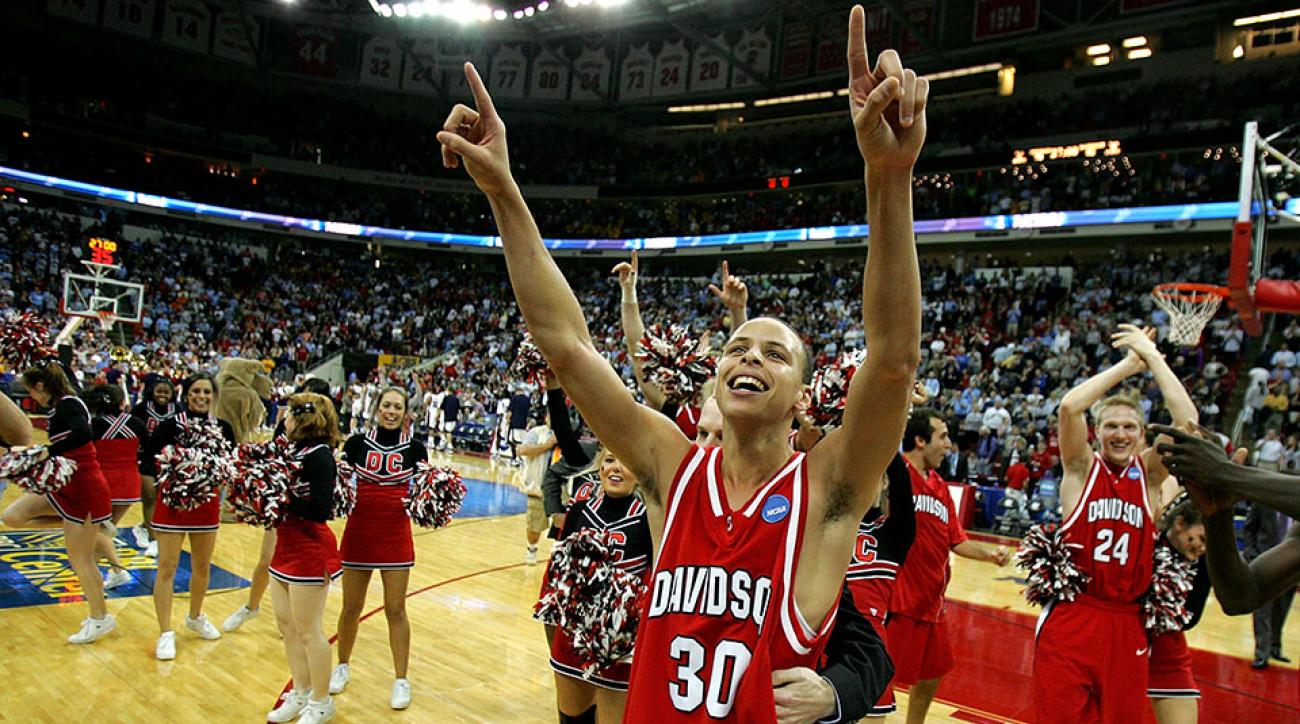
[753,540]
[918,629]
[1090,656]
[883,542]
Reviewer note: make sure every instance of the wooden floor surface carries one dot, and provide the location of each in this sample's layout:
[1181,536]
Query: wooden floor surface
[477,655]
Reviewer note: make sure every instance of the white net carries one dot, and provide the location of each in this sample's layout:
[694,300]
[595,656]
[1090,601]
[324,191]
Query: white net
[1188,311]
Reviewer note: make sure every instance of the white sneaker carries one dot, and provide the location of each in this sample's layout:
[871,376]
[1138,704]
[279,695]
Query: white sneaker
[239,618]
[401,694]
[116,577]
[203,627]
[291,703]
[165,650]
[315,712]
[531,557]
[92,629]
[141,535]
[151,550]
[339,678]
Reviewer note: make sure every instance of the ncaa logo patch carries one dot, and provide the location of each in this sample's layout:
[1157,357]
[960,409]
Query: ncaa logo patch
[1134,473]
[776,508]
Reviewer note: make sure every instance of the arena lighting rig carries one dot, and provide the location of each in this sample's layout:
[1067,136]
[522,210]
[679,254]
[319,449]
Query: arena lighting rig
[474,11]
[1225,210]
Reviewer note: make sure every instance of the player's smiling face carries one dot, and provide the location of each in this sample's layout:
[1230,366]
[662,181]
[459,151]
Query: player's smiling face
[616,480]
[760,375]
[392,408]
[1119,430]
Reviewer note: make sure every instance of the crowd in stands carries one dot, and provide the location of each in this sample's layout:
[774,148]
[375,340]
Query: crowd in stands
[396,134]
[1193,176]
[1002,342]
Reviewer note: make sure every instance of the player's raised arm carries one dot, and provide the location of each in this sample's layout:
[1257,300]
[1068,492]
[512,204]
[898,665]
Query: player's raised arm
[888,111]
[1181,408]
[477,138]
[634,328]
[1076,453]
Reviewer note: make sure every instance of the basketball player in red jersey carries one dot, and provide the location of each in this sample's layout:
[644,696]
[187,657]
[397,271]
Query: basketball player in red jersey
[753,539]
[1090,655]
[918,630]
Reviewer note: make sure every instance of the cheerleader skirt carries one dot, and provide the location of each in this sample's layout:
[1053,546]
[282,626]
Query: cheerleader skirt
[378,534]
[565,661]
[117,458]
[306,552]
[86,495]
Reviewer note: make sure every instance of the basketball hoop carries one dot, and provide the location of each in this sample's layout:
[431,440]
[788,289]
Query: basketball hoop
[106,319]
[1190,306]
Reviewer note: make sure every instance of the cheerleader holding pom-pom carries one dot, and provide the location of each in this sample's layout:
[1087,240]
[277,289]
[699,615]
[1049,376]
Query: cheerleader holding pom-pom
[188,454]
[306,559]
[65,487]
[378,535]
[592,591]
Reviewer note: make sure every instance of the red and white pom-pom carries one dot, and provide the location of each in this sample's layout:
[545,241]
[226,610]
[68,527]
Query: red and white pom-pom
[189,477]
[830,387]
[345,489]
[204,433]
[36,472]
[592,599]
[529,363]
[24,340]
[671,360]
[1051,572]
[258,491]
[434,496]
[1164,607]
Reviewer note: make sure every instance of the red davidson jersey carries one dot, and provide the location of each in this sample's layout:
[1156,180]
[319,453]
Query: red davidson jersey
[1111,534]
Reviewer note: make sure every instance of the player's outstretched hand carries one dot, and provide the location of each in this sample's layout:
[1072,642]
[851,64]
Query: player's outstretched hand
[733,294]
[477,138]
[1195,457]
[626,272]
[1140,342]
[887,104]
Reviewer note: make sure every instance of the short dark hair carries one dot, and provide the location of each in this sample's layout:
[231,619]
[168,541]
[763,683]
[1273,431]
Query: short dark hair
[1184,509]
[317,385]
[104,399]
[919,424]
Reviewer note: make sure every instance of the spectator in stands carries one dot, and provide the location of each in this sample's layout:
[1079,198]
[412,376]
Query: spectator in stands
[1269,451]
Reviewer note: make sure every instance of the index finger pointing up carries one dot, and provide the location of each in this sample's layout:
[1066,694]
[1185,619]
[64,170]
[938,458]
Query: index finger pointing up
[482,100]
[859,66]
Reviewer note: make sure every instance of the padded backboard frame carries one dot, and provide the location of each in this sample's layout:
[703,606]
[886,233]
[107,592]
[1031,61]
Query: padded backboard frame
[85,295]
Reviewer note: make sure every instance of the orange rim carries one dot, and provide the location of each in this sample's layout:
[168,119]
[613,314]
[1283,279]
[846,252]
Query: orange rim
[1194,292]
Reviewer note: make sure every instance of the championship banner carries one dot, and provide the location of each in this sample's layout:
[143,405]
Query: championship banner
[420,69]
[236,38]
[1000,18]
[755,49]
[550,76]
[381,63]
[509,68]
[832,39]
[638,67]
[82,11]
[312,50]
[670,70]
[452,56]
[921,14]
[796,47]
[710,68]
[591,75]
[133,17]
[187,24]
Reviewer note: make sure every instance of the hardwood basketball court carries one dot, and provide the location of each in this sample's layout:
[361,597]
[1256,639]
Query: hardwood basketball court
[477,655]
